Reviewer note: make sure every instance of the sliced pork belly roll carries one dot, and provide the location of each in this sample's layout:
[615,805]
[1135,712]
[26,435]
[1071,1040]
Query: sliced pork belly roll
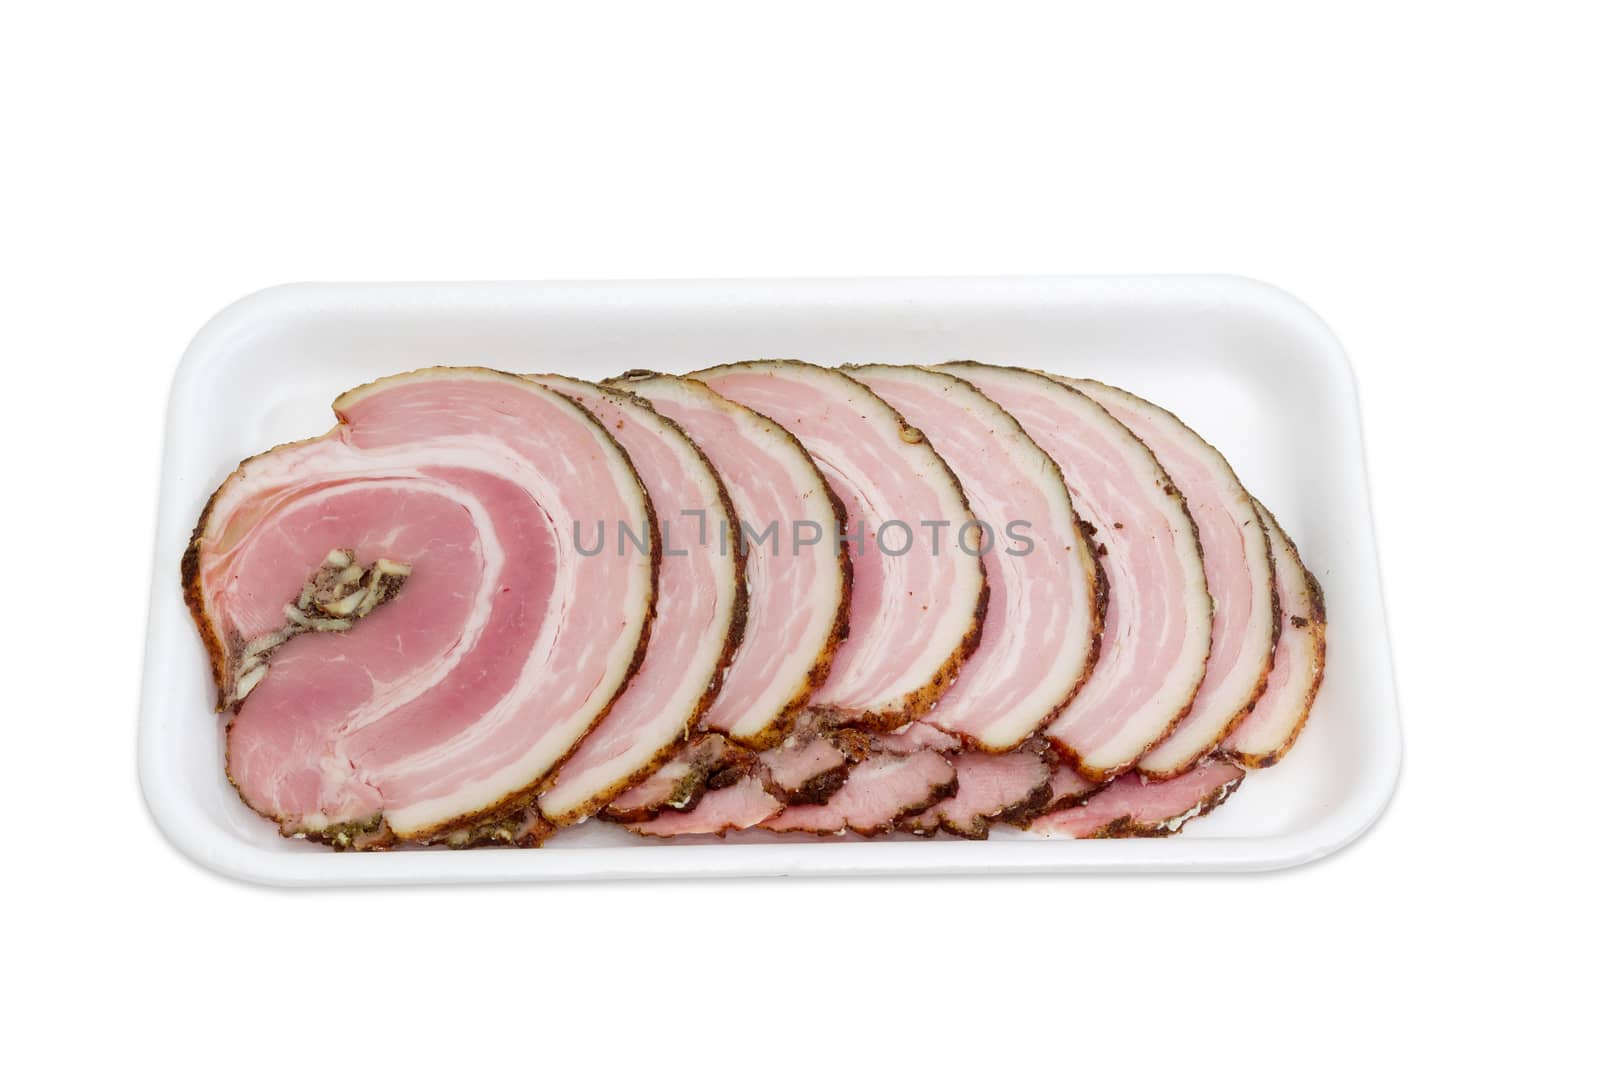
[1271,727]
[1068,786]
[1158,613]
[1238,565]
[738,807]
[504,646]
[1041,633]
[708,762]
[700,606]
[1135,807]
[915,616]
[1008,787]
[880,791]
[811,763]
[798,600]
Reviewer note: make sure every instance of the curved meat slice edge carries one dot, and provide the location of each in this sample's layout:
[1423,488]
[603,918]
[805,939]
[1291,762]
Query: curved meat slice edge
[1133,806]
[738,807]
[1273,725]
[1239,573]
[915,616]
[1041,632]
[798,602]
[700,608]
[1010,787]
[1157,630]
[705,763]
[881,790]
[375,756]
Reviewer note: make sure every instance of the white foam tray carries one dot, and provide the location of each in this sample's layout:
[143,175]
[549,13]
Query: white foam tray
[1249,367]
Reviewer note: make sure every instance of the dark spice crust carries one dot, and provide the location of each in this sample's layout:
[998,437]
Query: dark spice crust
[707,773]
[1097,551]
[783,722]
[221,649]
[730,645]
[1127,826]
[1023,812]
[940,791]
[1318,623]
[1093,551]
[1065,752]
[1276,615]
[919,702]
[913,705]
[369,834]
[852,745]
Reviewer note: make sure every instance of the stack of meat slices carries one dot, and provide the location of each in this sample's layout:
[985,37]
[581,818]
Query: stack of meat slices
[767,597]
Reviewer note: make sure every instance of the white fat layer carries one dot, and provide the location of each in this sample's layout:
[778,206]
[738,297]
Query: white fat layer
[675,689]
[815,601]
[1064,622]
[1138,484]
[1229,686]
[859,682]
[1273,721]
[281,471]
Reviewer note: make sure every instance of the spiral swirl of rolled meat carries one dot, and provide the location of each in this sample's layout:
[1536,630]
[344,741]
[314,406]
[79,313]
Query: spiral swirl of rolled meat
[915,615]
[1272,726]
[1239,573]
[454,700]
[798,600]
[700,608]
[1158,613]
[1041,634]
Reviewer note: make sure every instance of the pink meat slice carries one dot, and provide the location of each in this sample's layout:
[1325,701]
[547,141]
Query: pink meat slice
[798,600]
[804,769]
[681,781]
[1157,630]
[1133,806]
[1238,566]
[501,651]
[880,790]
[738,807]
[699,612]
[1067,785]
[915,615]
[1041,634]
[913,738]
[990,788]
[1271,727]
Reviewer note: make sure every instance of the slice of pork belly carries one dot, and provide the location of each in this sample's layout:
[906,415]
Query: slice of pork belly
[708,761]
[452,701]
[1297,665]
[811,763]
[914,738]
[1006,787]
[738,807]
[806,771]
[915,615]
[880,791]
[1238,564]
[1041,634]
[700,606]
[1068,786]
[798,601]
[1133,806]
[1158,612]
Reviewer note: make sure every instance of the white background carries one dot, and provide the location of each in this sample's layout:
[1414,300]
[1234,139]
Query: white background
[1424,176]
